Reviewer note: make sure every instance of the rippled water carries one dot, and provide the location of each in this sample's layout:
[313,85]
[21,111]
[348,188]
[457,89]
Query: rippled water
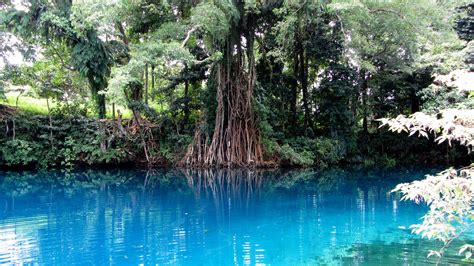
[209,218]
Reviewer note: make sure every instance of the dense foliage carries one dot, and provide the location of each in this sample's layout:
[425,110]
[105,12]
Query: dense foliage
[229,83]
[225,83]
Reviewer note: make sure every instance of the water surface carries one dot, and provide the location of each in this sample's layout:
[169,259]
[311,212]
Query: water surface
[335,217]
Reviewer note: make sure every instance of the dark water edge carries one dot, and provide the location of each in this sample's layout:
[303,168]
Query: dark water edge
[261,210]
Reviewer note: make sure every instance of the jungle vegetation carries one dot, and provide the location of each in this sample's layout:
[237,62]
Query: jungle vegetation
[234,83]
[228,83]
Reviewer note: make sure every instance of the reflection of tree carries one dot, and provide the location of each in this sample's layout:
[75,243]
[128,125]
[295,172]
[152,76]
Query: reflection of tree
[27,183]
[225,185]
[240,185]
[128,217]
[311,180]
[391,252]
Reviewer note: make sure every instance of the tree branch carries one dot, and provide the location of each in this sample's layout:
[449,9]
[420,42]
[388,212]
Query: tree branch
[56,52]
[123,35]
[188,35]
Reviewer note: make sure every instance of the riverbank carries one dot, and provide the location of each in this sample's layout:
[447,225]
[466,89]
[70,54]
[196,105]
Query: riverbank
[31,141]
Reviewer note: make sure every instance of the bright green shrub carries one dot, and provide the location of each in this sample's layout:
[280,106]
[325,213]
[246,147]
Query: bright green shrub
[323,151]
[20,152]
[66,143]
[289,156]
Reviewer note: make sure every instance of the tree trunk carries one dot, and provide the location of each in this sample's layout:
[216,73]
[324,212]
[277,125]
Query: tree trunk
[236,139]
[415,101]
[123,35]
[101,106]
[152,78]
[186,103]
[113,112]
[294,93]
[304,86]
[365,108]
[50,120]
[146,83]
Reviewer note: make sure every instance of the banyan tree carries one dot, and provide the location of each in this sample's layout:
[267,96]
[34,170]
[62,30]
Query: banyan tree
[235,140]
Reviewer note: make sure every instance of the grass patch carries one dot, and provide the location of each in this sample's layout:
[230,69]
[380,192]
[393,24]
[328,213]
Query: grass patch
[126,113]
[38,106]
[29,104]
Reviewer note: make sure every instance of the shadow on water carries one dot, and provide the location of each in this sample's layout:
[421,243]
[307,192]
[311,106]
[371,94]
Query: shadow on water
[215,182]
[209,217]
[409,251]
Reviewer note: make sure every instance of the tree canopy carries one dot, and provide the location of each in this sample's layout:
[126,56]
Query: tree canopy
[241,79]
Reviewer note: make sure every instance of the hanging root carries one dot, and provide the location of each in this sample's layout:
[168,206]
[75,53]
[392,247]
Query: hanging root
[236,140]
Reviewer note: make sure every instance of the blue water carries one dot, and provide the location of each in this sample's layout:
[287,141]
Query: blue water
[337,217]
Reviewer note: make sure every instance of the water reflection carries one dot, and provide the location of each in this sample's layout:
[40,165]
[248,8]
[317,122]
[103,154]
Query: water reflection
[202,217]
[225,187]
